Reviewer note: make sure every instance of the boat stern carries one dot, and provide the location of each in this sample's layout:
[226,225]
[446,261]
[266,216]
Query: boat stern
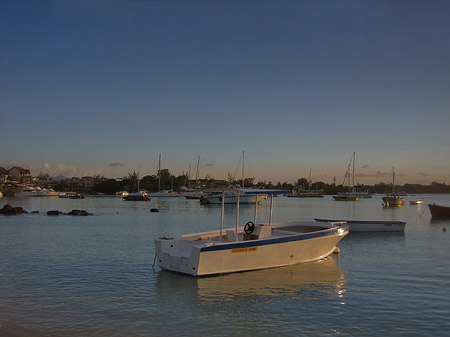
[178,255]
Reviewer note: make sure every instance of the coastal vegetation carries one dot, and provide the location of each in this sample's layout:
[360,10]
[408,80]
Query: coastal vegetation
[176,183]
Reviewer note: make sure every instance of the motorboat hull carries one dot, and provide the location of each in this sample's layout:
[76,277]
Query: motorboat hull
[136,197]
[439,211]
[393,200]
[357,226]
[232,199]
[305,195]
[290,243]
[345,198]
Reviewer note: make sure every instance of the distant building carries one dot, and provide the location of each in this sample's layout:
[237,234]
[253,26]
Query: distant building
[79,185]
[22,175]
[3,175]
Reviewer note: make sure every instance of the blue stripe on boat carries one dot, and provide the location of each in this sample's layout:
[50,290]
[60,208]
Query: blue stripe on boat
[256,243]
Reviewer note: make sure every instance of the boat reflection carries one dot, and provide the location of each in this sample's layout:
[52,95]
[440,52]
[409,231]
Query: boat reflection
[302,280]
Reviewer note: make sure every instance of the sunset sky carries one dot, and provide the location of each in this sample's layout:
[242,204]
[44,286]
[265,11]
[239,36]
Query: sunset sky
[104,87]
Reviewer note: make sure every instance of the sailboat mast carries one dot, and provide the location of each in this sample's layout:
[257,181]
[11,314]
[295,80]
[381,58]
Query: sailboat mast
[189,177]
[159,173]
[393,180]
[243,178]
[353,179]
[310,181]
[196,173]
[139,170]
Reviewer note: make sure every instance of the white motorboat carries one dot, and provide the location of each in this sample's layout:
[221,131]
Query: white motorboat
[246,195]
[164,194]
[250,247]
[36,191]
[215,197]
[356,226]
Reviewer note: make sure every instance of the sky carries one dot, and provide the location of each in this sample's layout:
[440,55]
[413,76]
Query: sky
[105,86]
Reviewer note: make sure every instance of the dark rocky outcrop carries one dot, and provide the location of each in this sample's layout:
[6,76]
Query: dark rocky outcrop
[79,212]
[53,212]
[9,210]
[154,210]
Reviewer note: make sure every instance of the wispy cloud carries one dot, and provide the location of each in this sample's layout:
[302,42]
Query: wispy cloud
[117,164]
[378,174]
[6,164]
[210,165]
[66,171]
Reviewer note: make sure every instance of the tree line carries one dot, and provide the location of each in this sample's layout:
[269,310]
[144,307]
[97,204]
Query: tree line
[165,180]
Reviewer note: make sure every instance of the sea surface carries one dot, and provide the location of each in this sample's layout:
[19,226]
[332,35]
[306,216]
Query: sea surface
[94,276]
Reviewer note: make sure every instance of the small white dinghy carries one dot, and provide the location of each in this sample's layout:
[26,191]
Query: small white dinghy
[356,226]
[253,246]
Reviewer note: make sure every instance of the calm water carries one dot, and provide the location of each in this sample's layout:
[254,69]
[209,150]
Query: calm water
[93,276]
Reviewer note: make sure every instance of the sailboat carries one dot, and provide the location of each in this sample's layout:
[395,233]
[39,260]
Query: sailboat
[348,196]
[236,194]
[163,193]
[309,193]
[193,193]
[392,199]
[139,195]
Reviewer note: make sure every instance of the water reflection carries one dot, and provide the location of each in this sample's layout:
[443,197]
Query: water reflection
[308,280]
[440,220]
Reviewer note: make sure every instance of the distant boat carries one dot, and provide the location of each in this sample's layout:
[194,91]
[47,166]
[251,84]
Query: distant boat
[439,211]
[194,194]
[361,195]
[393,199]
[66,194]
[348,196]
[309,193]
[415,202]
[356,226]
[345,197]
[76,196]
[164,194]
[138,196]
[246,195]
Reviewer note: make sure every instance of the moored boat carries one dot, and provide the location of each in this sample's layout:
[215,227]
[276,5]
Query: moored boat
[76,196]
[138,196]
[348,196]
[439,211]
[345,197]
[393,199]
[415,202]
[164,194]
[231,194]
[307,194]
[250,247]
[356,226]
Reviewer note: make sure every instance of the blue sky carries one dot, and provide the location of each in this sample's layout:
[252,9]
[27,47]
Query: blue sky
[105,86]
